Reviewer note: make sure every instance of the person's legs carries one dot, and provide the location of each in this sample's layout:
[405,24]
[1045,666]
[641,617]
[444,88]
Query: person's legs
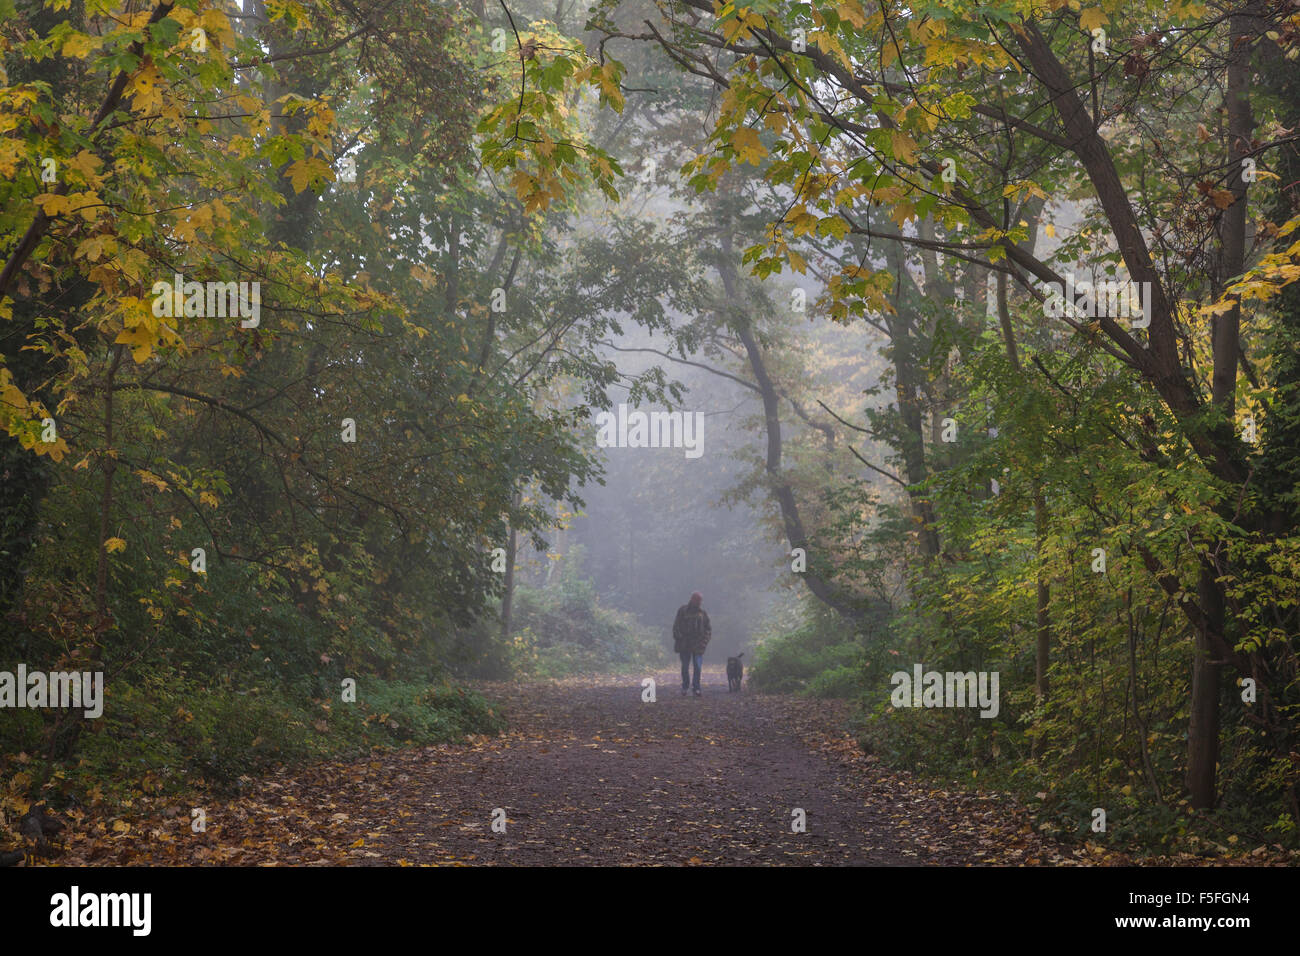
[699,662]
[686,670]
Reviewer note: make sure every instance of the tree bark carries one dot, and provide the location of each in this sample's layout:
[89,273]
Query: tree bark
[1159,361]
[508,596]
[821,588]
[907,381]
[106,497]
[1043,648]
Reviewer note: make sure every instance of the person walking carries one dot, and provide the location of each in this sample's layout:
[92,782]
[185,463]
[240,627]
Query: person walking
[691,633]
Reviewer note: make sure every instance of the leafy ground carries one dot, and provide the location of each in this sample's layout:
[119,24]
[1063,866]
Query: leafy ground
[589,774]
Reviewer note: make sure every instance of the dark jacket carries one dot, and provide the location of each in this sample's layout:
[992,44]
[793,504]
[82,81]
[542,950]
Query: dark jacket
[691,630]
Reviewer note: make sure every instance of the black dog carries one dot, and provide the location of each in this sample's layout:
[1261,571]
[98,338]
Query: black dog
[735,671]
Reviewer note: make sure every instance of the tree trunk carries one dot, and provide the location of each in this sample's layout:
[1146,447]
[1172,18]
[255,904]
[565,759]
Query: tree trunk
[106,499]
[907,379]
[1203,726]
[508,596]
[823,589]
[1043,652]
[1043,596]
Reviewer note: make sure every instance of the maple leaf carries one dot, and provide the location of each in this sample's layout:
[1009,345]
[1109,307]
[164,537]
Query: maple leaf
[141,340]
[307,171]
[79,45]
[92,248]
[747,145]
[1222,198]
[150,478]
[902,145]
[1091,19]
[851,12]
[53,204]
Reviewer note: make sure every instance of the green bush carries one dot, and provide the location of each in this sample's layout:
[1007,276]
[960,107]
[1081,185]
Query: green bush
[558,630]
[820,657]
[165,733]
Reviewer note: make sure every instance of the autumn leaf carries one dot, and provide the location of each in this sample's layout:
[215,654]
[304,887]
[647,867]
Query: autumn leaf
[93,247]
[307,171]
[902,145]
[79,45]
[747,145]
[149,478]
[851,12]
[1222,198]
[1091,19]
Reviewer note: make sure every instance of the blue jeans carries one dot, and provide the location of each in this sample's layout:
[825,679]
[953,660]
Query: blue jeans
[687,657]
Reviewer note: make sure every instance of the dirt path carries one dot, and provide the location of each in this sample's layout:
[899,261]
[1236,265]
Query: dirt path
[591,774]
[604,777]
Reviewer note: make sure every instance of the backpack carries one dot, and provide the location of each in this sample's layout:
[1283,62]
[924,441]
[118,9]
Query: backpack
[692,629]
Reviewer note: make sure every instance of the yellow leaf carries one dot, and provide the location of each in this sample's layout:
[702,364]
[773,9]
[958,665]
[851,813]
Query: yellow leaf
[85,162]
[902,213]
[851,12]
[904,146]
[148,477]
[802,222]
[87,205]
[304,171]
[79,45]
[53,205]
[92,248]
[55,450]
[524,184]
[747,145]
[776,122]
[1090,20]
[833,226]
[143,89]
[738,29]
[889,53]
[114,544]
[140,339]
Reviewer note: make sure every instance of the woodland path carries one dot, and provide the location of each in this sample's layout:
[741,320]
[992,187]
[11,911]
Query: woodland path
[589,774]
